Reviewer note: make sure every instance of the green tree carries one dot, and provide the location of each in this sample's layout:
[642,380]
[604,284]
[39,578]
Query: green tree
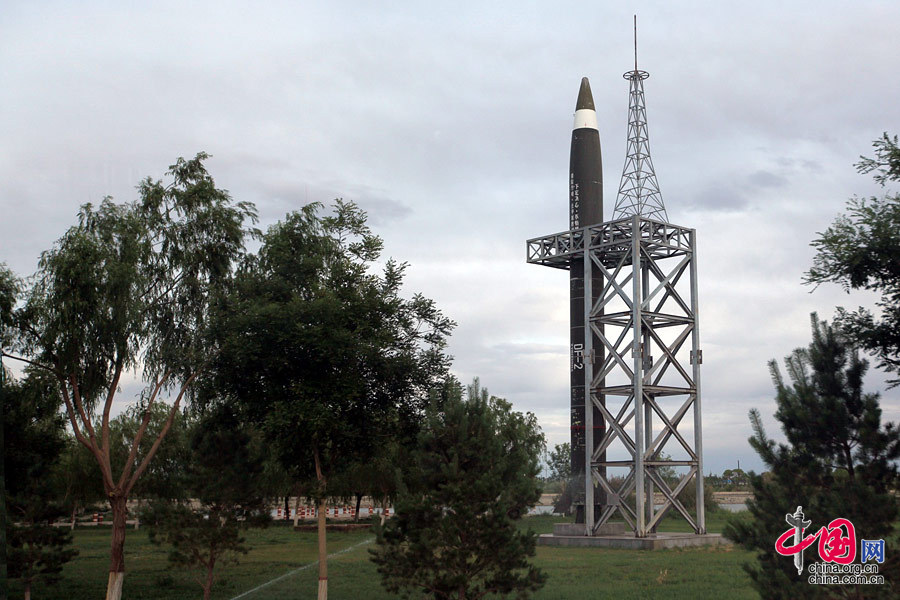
[35,437]
[167,475]
[668,473]
[9,290]
[376,476]
[861,250]
[839,461]
[225,476]
[126,288]
[384,476]
[322,351]
[736,477]
[475,471]
[79,477]
[559,462]
[38,551]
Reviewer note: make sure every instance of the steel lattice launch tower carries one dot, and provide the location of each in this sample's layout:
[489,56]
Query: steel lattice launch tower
[634,344]
[585,208]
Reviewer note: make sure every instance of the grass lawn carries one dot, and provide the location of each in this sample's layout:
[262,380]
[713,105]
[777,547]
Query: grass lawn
[574,573]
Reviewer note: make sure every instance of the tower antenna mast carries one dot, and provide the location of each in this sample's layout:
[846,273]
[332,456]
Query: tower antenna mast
[638,190]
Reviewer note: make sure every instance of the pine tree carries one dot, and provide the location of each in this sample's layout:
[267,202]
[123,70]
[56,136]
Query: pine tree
[224,480]
[34,437]
[839,461]
[474,473]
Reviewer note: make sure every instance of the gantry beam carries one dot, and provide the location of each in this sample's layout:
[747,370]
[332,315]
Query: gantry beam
[645,377]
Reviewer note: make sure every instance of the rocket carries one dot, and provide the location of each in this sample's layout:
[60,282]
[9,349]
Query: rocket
[585,169]
[585,208]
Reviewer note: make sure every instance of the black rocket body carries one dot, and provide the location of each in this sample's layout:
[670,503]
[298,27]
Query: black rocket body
[585,208]
[585,168]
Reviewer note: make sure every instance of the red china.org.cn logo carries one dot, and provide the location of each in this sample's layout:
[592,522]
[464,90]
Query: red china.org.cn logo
[837,551]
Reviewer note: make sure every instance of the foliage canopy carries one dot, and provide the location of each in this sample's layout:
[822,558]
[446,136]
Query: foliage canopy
[34,437]
[861,250]
[225,487]
[474,472]
[839,461]
[322,352]
[129,287]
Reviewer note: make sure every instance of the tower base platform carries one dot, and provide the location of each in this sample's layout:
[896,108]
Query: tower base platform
[627,541]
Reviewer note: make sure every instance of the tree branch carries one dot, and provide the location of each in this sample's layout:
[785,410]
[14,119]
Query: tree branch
[79,405]
[70,411]
[136,442]
[107,405]
[89,444]
[165,292]
[32,363]
[143,466]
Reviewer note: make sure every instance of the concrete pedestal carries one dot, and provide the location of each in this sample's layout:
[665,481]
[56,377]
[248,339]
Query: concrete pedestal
[623,541]
[577,529]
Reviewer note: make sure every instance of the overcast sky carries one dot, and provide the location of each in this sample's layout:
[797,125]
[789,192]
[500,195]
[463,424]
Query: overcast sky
[450,124]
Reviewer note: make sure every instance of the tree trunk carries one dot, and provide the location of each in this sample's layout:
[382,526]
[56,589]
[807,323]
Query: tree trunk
[323,552]
[207,588]
[27,590]
[74,510]
[323,548]
[358,503]
[118,503]
[296,510]
[848,456]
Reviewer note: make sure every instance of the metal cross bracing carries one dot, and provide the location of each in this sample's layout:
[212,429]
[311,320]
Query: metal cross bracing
[638,190]
[645,376]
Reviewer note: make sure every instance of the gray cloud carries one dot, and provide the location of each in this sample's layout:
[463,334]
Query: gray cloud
[767,179]
[723,197]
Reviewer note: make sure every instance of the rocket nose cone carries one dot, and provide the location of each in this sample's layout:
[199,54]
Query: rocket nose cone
[585,99]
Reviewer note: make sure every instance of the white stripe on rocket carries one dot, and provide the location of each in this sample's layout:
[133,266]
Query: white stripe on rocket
[585,118]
